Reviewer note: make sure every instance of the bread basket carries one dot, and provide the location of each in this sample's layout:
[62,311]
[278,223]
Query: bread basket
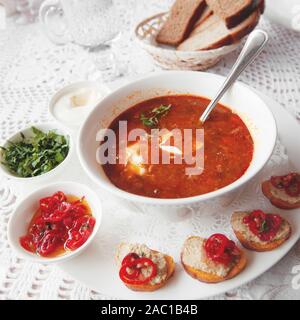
[169,58]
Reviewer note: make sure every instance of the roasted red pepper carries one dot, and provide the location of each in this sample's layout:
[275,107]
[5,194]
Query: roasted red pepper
[130,258]
[264,226]
[220,249]
[78,235]
[132,267]
[59,224]
[290,183]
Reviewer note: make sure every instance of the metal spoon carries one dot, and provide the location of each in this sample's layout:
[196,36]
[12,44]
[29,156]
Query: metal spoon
[252,48]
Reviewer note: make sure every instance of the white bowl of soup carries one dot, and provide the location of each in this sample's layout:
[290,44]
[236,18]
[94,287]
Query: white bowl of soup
[237,141]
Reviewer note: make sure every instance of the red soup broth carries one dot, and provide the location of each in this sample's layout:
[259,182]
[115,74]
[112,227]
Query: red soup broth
[228,149]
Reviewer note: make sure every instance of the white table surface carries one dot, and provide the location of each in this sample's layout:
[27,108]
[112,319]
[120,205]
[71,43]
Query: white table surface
[32,69]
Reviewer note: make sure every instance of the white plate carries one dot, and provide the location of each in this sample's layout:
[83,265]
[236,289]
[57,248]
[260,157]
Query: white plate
[96,267]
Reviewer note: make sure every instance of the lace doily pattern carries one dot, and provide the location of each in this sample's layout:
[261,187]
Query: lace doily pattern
[32,69]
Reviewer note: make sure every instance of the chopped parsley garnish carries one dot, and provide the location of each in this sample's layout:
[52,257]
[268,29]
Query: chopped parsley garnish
[152,119]
[263,227]
[34,156]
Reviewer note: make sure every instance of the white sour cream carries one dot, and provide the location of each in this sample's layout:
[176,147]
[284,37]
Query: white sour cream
[73,103]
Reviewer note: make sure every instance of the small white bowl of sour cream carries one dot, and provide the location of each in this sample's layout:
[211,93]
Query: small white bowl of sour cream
[71,104]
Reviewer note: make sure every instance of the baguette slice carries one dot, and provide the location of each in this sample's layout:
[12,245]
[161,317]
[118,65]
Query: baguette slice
[183,16]
[213,33]
[233,12]
[170,268]
[250,241]
[209,277]
[279,198]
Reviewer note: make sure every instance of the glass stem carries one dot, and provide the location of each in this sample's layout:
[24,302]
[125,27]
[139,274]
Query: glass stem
[104,61]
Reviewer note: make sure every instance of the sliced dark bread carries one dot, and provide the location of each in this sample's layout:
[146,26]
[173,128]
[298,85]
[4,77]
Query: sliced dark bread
[233,12]
[206,13]
[262,6]
[207,24]
[213,33]
[183,16]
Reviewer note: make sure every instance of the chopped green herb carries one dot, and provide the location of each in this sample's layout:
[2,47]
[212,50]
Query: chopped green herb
[37,155]
[154,116]
[263,227]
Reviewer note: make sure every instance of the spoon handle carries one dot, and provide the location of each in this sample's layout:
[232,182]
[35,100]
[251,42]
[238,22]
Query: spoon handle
[252,48]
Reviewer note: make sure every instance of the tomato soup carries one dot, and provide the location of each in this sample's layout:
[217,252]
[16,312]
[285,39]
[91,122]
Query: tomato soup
[228,148]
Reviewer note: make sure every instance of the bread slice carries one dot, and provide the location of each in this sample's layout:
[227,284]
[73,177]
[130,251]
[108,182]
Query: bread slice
[206,13]
[279,198]
[251,242]
[233,12]
[170,269]
[261,6]
[183,16]
[210,21]
[209,277]
[149,287]
[213,33]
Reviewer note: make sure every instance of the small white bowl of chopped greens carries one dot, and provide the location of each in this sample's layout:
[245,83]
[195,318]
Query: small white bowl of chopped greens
[36,152]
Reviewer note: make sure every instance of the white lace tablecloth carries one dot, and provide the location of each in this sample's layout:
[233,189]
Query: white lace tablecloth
[32,69]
